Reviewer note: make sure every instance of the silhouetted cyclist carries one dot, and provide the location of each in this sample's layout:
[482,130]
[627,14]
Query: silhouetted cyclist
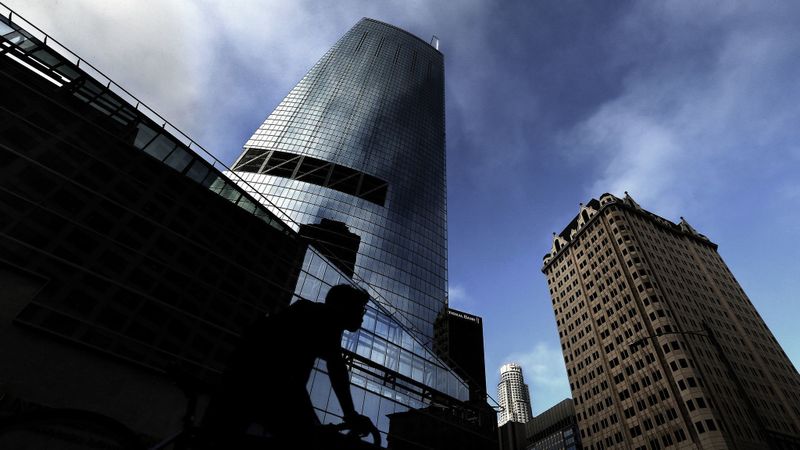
[266,380]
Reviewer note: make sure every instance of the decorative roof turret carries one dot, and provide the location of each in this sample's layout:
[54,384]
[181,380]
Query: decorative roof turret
[686,227]
[558,243]
[593,207]
[585,214]
[630,201]
[607,198]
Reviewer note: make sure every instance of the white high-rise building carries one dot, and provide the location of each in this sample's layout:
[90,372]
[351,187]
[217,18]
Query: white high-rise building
[515,399]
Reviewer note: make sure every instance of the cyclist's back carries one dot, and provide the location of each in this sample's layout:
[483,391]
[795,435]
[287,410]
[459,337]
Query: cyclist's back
[266,380]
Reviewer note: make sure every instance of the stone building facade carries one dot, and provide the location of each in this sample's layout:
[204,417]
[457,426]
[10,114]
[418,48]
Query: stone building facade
[662,347]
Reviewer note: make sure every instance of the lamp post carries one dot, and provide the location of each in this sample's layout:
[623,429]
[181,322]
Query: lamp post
[708,333]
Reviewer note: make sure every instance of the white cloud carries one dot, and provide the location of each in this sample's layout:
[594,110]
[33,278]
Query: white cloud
[685,130]
[457,297]
[544,372]
[214,67]
[155,51]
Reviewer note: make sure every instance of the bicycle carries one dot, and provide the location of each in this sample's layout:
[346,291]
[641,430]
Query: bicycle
[65,429]
[72,429]
[191,436]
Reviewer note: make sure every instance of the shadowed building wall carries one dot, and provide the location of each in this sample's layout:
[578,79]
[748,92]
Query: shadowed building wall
[554,429]
[121,250]
[335,242]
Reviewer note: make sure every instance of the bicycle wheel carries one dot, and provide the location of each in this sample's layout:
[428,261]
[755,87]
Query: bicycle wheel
[65,429]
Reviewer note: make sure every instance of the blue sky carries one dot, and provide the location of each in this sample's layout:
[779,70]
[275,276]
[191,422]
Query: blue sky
[691,106]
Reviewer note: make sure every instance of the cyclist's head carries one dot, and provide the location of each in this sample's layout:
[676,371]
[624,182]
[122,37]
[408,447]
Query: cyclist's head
[349,304]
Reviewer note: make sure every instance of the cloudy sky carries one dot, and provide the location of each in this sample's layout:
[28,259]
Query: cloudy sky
[691,106]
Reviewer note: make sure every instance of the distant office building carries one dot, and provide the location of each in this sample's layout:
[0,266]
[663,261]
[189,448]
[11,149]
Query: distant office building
[514,397]
[554,429]
[662,346]
[511,436]
[459,342]
[443,428]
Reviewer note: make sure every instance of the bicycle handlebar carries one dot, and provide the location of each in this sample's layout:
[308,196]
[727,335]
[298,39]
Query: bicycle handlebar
[344,426]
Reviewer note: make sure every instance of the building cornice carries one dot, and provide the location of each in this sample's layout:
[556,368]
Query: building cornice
[369,19]
[562,241]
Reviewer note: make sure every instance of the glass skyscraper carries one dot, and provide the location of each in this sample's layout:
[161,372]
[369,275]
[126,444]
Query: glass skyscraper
[360,140]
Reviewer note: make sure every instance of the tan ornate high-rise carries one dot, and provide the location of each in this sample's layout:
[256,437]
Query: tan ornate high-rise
[662,347]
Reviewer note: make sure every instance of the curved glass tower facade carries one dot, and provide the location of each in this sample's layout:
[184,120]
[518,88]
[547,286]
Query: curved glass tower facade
[360,140]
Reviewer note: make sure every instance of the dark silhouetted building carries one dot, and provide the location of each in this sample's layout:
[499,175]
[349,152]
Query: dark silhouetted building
[443,429]
[459,342]
[661,344]
[335,242]
[511,436]
[122,250]
[554,429]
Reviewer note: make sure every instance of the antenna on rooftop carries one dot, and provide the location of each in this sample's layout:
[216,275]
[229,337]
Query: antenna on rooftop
[435,42]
